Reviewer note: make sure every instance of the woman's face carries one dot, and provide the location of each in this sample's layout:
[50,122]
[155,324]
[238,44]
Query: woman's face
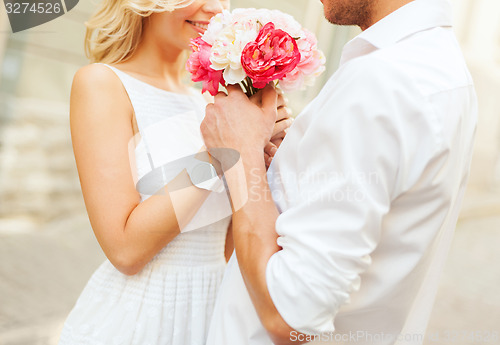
[175,29]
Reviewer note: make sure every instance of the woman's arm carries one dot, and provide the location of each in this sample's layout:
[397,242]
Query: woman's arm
[129,232]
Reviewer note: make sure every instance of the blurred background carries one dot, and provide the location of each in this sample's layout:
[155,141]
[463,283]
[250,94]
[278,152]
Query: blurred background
[47,248]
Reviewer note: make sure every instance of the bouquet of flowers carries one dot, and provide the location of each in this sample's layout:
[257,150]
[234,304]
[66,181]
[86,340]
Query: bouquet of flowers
[253,47]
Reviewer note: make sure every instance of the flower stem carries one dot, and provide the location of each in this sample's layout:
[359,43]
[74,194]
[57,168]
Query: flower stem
[251,88]
[246,85]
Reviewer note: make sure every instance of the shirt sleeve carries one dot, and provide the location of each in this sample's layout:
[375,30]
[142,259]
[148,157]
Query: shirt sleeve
[347,173]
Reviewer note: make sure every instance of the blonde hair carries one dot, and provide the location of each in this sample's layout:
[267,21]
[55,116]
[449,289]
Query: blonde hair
[114,31]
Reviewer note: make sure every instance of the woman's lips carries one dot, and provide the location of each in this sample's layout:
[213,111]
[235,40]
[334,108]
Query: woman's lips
[200,27]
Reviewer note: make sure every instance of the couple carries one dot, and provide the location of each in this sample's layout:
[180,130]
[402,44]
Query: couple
[342,238]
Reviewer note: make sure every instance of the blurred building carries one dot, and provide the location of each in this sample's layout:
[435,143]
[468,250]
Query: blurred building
[478,29]
[38,179]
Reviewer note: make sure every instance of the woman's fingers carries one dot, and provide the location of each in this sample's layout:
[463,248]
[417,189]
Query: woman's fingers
[277,142]
[281,126]
[268,159]
[280,135]
[283,113]
[282,100]
[270,149]
[283,122]
[283,110]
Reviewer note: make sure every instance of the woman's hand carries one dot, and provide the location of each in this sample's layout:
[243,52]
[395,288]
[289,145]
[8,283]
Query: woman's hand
[283,122]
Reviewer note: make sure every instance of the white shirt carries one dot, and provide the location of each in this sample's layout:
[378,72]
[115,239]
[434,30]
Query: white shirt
[369,182]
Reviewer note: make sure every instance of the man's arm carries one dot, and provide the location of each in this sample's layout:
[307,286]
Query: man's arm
[255,242]
[255,213]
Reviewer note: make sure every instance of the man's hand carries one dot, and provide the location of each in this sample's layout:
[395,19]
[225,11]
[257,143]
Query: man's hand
[235,122]
[283,122]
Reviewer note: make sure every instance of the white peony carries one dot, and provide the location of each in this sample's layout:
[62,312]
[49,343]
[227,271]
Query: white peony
[216,25]
[226,50]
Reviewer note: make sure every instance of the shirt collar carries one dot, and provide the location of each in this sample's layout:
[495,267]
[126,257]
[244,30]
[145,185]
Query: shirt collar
[416,16]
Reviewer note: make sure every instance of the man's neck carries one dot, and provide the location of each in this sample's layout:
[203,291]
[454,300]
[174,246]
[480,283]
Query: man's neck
[383,8]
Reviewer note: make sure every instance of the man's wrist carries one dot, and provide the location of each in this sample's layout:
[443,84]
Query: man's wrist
[237,175]
[249,156]
[252,158]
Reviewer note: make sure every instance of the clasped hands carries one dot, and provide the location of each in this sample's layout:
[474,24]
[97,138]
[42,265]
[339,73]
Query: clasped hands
[251,126]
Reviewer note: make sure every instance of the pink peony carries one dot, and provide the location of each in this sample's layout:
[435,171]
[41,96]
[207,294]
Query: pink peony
[310,66]
[293,81]
[310,61]
[270,57]
[198,65]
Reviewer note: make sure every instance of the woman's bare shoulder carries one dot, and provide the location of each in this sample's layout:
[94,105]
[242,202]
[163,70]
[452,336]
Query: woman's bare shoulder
[97,83]
[97,94]
[97,76]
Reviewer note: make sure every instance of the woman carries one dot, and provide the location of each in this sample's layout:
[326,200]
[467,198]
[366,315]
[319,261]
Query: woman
[159,283]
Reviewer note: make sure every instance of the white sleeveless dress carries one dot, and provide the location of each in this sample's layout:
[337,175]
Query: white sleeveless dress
[170,301]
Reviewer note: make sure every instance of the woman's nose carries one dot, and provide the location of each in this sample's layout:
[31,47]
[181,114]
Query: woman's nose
[213,6]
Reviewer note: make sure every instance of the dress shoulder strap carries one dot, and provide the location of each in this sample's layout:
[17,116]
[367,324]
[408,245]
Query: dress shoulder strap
[129,82]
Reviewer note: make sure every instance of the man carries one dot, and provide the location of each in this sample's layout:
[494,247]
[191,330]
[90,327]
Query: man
[367,187]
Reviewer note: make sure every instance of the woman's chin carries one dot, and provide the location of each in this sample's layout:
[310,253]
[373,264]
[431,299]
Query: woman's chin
[191,37]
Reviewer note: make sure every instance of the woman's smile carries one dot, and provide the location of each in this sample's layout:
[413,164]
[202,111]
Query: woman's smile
[199,26]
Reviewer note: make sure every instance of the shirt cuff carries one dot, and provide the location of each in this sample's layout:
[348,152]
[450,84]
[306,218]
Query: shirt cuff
[299,305]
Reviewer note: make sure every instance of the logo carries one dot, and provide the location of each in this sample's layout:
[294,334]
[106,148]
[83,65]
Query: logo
[26,14]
